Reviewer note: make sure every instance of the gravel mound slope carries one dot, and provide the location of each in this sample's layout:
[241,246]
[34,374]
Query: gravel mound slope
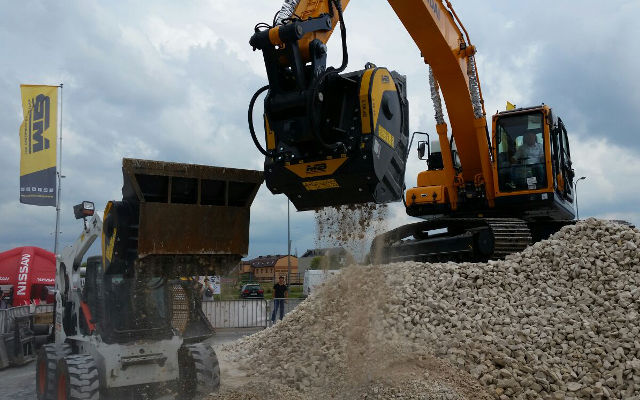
[559,320]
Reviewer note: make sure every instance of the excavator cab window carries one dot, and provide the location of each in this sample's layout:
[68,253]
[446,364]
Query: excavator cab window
[521,158]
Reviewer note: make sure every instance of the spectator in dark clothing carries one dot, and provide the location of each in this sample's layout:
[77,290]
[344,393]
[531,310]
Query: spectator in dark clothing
[3,303]
[280,292]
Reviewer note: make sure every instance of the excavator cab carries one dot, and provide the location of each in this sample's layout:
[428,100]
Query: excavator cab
[521,160]
[532,168]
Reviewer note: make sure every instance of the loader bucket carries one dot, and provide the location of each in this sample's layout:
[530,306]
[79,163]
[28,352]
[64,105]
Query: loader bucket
[189,214]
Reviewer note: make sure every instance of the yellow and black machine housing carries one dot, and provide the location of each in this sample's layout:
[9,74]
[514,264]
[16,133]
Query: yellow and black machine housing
[332,138]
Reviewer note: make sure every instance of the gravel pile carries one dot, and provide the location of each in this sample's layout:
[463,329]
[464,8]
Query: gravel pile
[559,320]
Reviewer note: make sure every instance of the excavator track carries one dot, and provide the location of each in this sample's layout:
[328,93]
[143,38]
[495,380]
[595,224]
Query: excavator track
[465,239]
[511,235]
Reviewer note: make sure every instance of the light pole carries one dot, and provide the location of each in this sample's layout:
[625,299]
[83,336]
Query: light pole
[575,189]
[288,244]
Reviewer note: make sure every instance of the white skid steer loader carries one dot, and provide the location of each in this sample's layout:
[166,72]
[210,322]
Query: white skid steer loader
[135,328]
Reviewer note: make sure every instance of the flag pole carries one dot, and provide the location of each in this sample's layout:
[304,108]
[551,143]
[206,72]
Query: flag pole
[59,175]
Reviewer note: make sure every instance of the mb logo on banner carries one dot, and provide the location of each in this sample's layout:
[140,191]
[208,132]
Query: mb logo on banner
[38,150]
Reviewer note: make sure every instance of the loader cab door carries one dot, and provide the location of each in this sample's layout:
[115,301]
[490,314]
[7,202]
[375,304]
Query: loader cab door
[521,159]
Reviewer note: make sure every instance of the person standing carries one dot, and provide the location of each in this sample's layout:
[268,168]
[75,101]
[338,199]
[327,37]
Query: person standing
[207,289]
[3,303]
[280,292]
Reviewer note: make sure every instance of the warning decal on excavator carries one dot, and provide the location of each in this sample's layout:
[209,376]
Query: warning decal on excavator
[386,136]
[316,168]
[271,136]
[321,185]
[365,87]
[112,241]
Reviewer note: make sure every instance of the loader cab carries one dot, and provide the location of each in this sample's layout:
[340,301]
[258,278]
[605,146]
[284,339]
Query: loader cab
[121,307]
[532,169]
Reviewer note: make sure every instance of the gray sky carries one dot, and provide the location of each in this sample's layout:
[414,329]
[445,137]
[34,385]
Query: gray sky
[171,81]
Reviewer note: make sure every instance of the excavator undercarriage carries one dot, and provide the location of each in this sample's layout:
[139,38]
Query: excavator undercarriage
[459,239]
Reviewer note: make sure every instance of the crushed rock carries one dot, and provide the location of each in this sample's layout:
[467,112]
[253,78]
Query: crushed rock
[350,226]
[559,320]
[258,390]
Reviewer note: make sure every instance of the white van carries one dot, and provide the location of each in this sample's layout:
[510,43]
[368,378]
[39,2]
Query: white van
[316,277]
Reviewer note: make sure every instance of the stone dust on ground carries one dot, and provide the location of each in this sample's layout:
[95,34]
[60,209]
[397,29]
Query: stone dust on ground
[558,320]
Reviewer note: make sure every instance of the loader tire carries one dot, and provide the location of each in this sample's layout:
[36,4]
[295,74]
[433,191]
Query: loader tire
[77,378]
[199,371]
[46,364]
[41,329]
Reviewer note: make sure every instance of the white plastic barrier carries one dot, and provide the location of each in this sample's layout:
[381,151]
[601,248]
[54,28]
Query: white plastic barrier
[7,316]
[249,313]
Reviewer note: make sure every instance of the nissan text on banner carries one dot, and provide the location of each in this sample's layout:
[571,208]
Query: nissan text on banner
[38,153]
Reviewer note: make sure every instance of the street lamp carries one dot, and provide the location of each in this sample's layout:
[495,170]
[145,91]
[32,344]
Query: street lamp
[575,189]
[288,244]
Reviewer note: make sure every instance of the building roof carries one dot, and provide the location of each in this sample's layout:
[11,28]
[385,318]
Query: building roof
[266,261]
[327,251]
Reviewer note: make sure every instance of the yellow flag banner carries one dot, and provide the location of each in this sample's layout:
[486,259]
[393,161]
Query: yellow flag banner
[38,151]
[510,106]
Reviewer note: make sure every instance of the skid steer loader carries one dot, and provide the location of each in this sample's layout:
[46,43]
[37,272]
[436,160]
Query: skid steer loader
[135,329]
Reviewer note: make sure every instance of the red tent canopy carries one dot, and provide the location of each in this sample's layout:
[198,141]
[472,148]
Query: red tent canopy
[25,269]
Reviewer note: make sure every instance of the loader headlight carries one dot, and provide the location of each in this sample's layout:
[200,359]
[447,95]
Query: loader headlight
[84,209]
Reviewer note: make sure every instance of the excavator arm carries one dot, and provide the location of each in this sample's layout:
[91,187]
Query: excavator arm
[335,138]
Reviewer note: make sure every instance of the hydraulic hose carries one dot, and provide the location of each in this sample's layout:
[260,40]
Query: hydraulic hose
[250,119]
[316,87]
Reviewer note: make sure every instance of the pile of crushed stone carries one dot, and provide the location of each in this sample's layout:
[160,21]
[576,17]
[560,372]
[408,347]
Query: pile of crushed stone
[559,320]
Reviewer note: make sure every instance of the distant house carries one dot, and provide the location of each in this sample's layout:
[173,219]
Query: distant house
[269,268]
[330,257]
[244,272]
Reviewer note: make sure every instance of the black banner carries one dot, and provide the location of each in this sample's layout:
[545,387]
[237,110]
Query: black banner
[39,188]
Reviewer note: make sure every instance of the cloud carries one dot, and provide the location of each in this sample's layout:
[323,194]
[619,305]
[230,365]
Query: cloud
[172,81]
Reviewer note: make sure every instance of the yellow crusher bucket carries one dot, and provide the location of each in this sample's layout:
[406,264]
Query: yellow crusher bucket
[353,149]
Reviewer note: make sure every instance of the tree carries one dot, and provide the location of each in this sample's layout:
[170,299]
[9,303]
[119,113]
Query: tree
[318,262]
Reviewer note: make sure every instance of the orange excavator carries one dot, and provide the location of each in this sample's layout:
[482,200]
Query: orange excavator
[336,138]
